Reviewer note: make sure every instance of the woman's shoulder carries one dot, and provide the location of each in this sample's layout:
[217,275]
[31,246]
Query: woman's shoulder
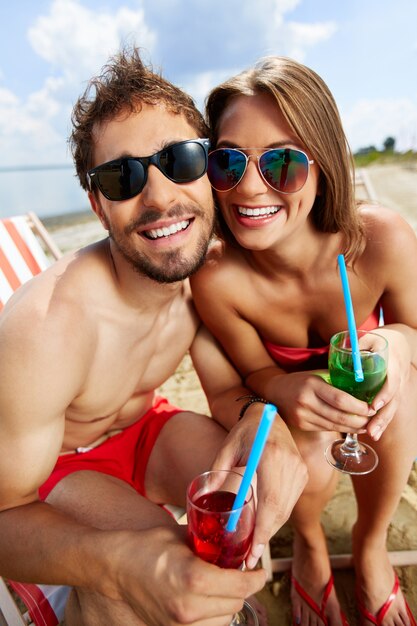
[388,236]
[223,268]
[376,216]
[223,258]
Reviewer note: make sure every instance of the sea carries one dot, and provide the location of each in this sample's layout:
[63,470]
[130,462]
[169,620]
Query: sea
[53,194]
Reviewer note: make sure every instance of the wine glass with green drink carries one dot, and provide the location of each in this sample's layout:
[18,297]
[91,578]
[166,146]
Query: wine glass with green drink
[350,455]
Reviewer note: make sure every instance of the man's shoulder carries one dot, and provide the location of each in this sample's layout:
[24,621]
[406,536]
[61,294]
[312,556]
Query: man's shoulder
[60,293]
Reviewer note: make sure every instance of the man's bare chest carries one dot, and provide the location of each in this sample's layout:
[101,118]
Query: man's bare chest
[130,361]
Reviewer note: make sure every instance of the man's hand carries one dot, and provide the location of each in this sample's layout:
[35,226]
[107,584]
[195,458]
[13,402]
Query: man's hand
[281,475]
[167,585]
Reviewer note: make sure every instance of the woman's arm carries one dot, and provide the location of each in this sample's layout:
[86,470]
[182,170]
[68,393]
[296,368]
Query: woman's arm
[389,263]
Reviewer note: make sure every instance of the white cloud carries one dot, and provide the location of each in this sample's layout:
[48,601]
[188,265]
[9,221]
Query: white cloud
[26,130]
[260,29]
[370,122]
[283,6]
[42,103]
[7,98]
[76,41]
[199,85]
[290,38]
[299,37]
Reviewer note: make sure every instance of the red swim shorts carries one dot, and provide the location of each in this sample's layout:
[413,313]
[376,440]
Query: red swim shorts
[123,456]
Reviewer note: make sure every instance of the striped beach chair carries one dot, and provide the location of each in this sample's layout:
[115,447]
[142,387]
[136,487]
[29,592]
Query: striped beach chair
[26,249]
[26,604]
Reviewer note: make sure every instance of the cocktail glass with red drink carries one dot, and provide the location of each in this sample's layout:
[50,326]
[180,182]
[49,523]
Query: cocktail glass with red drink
[210,500]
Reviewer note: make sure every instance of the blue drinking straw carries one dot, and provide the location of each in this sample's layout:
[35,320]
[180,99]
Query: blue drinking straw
[357,364]
[258,446]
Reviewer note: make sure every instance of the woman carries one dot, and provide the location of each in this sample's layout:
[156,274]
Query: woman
[273,298]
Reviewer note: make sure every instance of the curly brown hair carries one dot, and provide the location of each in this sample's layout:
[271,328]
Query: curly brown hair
[124,83]
[311,112]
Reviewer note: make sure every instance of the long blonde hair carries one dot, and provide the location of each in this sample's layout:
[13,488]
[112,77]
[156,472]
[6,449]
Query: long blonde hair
[311,112]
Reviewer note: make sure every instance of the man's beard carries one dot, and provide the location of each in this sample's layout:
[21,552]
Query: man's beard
[173,266]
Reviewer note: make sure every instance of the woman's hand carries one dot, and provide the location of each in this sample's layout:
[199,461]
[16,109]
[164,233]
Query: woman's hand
[308,402]
[385,403]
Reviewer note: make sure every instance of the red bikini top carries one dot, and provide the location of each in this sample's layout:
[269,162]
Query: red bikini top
[291,358]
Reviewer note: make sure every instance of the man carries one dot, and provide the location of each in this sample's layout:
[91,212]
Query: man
[84,346]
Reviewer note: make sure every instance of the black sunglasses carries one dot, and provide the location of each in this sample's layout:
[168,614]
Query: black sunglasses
[284,169]
[125,178]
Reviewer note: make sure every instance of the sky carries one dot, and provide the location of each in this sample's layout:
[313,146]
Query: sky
[365,50]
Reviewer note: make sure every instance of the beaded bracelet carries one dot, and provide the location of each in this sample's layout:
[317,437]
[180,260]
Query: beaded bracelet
[247,404]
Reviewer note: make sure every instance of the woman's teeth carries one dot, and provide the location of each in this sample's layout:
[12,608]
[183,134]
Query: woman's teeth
[258,212]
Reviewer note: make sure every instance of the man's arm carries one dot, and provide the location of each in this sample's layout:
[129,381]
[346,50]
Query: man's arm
[38,379]
[281,474]
[44,364]
[153,570]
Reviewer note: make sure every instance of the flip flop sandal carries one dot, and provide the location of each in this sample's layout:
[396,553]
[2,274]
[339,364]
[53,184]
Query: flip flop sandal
[377,619]
[319,610]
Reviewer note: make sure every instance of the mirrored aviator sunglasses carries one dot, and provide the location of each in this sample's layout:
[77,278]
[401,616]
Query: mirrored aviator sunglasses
[124,178]
[284,169]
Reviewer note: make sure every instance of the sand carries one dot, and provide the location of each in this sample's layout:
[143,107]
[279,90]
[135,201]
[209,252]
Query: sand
[396,187]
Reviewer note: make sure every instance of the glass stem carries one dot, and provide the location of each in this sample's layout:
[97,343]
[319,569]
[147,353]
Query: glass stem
[351,443]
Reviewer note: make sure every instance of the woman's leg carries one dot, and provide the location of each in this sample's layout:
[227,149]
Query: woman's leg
[378,495]
[311,565]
